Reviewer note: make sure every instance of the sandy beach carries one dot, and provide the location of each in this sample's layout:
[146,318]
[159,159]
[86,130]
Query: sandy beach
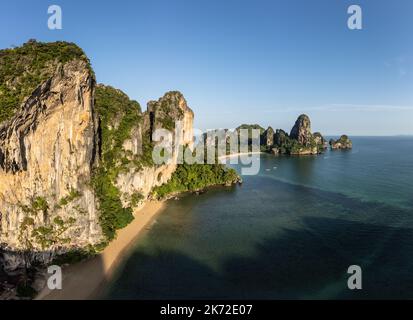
[86,280]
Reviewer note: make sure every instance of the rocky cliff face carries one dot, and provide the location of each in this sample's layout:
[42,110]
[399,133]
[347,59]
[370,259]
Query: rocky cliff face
[172,113]
[127,171]
[319,140]
[75,158]
[267,138]
[301,130]
[48,149]
[301,140]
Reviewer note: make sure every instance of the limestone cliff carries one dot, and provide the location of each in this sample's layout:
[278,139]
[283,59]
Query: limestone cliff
[127,173]
[166,113]
[301,140]
[48,149]
[75,158]
[319,140]
[267,138]
[301,130]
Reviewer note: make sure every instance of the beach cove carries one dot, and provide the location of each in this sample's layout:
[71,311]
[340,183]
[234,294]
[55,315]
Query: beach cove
[86,279]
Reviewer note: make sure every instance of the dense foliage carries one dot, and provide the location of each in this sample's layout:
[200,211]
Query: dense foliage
[113,215]
[196,177]
[118,115]
[24,68]
[343,139]
[51,233]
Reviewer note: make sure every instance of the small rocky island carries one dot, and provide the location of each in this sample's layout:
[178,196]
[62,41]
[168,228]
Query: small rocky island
[343,143]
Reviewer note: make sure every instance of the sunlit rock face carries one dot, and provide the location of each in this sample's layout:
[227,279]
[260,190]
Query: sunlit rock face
[53,145]
[170,113]
[302,130]
[48,149]
[267,138]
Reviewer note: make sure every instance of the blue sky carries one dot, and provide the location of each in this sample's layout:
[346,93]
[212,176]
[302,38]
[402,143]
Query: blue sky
[240,61]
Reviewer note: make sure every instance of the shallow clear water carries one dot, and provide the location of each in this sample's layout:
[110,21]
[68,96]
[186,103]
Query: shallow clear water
[289,232]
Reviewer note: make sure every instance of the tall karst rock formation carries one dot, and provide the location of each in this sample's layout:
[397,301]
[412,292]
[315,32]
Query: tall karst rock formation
[301,130]
[75,158]
[48,149]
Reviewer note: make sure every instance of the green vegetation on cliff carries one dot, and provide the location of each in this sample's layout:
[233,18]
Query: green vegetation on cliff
[291,146]
[343,142]
[48,234]
[167,110]
[196,177]
[24,68]
[118,115]
[113,215]
[301,141]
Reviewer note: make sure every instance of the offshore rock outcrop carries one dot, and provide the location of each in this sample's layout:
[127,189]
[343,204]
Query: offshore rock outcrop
[343,142]
[301,140]
[301,130]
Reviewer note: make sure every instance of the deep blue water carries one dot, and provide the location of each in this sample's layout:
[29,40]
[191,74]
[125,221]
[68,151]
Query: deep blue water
[289,232]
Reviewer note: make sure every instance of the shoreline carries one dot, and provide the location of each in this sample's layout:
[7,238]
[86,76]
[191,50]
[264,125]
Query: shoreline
[87,279]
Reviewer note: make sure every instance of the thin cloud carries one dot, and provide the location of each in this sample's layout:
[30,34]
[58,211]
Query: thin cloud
[341,107]
[368,107]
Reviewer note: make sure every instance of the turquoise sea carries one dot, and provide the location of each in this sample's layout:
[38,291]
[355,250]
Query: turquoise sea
[290,232]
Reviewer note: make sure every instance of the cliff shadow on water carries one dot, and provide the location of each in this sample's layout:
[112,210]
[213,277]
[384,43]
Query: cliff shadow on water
[307,260]
[313,270]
